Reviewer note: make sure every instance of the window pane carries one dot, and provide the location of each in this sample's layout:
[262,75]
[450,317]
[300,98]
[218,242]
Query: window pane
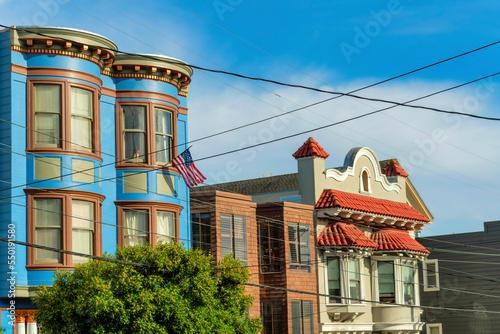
[82,220]
[354,281]
[134,146]
[226,235]
[82,243]
[163,121]
[307,317]
[304,238]
[201,232]
[47,130]
[296,317]
[81,102]
[81,133]
[240,238]
[134,118]
[48,229]
[165,227]
[162,148]
[47,110]
[293,244]
[333,265]
[136,227]
[48,212]
[386,282]
[47,98]
[49,237]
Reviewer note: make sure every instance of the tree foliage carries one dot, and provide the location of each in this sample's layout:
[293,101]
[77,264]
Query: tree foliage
[179,291]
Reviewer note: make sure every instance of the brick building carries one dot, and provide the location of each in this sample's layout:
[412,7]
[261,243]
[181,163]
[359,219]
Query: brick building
[276,242]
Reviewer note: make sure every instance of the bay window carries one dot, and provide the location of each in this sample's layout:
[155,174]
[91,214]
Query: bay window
[63,220]
[146,133]
[344,280]
[63,116]
[149,222]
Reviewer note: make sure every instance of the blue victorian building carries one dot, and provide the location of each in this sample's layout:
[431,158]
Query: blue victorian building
[86,139]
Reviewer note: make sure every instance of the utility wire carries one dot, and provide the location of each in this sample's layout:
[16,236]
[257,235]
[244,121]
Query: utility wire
[106,259]
[176,62]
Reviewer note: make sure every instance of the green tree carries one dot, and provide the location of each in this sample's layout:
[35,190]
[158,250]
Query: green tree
[178,291]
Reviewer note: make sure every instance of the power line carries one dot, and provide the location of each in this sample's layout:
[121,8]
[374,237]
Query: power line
[175,62]
[106,259]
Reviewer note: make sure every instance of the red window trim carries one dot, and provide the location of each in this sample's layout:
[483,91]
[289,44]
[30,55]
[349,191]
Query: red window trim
[65,120]
[152,208]
[150,135]
[66,197]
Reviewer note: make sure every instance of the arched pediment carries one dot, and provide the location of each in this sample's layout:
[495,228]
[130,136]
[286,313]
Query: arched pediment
[354,163]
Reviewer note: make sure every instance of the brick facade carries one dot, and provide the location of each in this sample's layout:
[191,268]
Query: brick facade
[279,215]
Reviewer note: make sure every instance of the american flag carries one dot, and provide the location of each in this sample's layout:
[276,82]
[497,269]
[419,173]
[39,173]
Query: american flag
[185,165]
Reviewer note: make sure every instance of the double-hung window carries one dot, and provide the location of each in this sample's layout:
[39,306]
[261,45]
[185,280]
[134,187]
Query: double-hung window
[233,232]
[408,275]
[272,319]
[431,275]
[344,280]
[63,116]
[64,221]
[396,281]
[146,133]
[300,247]
[147,223]
[201,232]
[302,317]
[270,247]
[386,282]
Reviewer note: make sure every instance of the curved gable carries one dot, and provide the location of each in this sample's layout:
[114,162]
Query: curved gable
[357,161]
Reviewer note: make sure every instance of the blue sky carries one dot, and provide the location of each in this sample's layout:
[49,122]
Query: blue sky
[337,45]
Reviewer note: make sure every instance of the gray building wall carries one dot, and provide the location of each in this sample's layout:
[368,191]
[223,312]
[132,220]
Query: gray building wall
[467,262]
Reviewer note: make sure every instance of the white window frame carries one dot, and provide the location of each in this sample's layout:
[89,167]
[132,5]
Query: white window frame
[398,278]
[344,279]
[426,275]
[428,328]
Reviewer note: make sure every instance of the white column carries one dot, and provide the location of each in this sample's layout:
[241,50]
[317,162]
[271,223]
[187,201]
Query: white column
[21,328]
[32,328]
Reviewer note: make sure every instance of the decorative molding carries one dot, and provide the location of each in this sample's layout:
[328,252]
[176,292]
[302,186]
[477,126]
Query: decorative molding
[147,95]
[64,73]
[18,69]
[350,166]
[58,52]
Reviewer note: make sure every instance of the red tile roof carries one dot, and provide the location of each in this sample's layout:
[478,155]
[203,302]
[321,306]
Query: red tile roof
[310,149]
[389,239]
[342,235]
[394,169]
[333,198]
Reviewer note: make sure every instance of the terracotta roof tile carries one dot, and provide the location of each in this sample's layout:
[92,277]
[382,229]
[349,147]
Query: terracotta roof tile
[310,149]
[344,235]
[393,168]
[389,239]
[334,198]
